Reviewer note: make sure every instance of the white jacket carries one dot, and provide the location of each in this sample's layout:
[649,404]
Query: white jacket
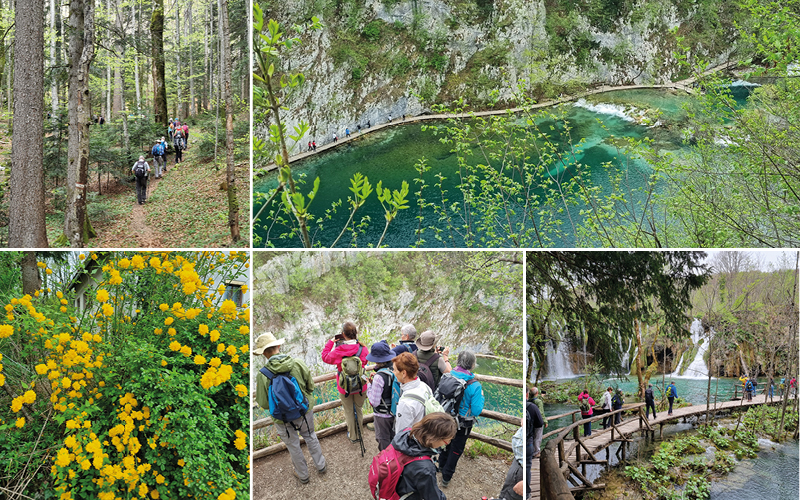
[409,410]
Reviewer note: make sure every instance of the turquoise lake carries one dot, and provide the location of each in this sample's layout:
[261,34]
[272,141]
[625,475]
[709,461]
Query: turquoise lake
[390,155]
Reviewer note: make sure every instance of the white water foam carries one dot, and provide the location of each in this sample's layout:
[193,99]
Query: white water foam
[605,109]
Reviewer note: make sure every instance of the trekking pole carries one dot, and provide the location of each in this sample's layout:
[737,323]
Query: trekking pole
[358,429]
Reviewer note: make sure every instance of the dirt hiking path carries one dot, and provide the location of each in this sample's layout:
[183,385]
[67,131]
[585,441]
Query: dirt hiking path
[138,230]
[346,477]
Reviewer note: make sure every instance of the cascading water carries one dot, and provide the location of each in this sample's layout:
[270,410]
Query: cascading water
[697,368]
[558,365]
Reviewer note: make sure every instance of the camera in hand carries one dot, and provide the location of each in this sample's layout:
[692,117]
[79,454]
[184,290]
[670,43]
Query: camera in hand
[440,348]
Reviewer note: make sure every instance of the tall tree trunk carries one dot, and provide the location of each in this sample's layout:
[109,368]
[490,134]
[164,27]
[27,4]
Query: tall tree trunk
[189,28]
[53,70]
[136,60]
[26,227]
[119,49]
[81,53]
[31,281]
[159,88]
[206,67]
[178,85]
[107,98]
[3,61]
[233,204]
[637,327]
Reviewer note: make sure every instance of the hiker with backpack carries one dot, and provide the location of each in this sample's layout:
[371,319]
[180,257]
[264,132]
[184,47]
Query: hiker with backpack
[461,397]
[585,403]
[749,389]
[285,387]
[533,395]
[408,334]
[405,470]
[512,487]
[672,393]
[649,401]
[533,427]
[383,393]
[179,145]
[433,362]
[616,404]
[606,407]
[350,358]
[185,135]
[158,157]
[140,170]
[416,399]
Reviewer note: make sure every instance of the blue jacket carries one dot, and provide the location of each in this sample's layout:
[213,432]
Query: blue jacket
[674,393]
[473,400]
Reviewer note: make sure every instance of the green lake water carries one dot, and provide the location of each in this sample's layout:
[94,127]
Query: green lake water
[390,155]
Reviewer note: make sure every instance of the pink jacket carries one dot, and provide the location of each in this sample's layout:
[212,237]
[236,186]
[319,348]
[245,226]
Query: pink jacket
[334,357]
[591,403]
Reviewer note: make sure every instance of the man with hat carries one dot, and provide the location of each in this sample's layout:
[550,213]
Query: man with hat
[426,344]
[407,336]
[278,364]
[382,391]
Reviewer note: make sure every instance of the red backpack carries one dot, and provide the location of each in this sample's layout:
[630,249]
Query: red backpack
[385,472]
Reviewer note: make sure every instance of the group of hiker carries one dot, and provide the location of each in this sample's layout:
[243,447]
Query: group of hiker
[750,387]
[424,408]
[179,138]
[312,145]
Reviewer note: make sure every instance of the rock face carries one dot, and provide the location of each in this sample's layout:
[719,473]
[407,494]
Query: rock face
[283,305]
[380,58]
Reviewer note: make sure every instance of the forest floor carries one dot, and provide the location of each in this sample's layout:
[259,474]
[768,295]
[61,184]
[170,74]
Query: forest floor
[186,208]
[346,476]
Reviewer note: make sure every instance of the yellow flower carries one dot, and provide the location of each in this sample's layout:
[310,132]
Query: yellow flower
[199,360]
[82,256]
[102,295]
[220,347]
[41,369]
[20,422]
[228,494]
[169,321]
[181,462]
[163,363]
[86,464]
[228,307]
[215,362]
[160,479]
[244,329]
[108,310]
[186,350]
[48,272]
[203,329]
[124,264]
[175,346]
[62,457]
[41,265]
[29,397]
[214,335]
[241,390]
[6,331]
[163,307]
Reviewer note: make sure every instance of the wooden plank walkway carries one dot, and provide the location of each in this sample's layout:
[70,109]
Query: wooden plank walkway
[601,439]
[685,85]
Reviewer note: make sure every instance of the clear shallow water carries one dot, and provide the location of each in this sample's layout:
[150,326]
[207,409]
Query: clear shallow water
[773,475]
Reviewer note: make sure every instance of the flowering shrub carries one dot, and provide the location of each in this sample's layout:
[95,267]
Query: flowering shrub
[139,394]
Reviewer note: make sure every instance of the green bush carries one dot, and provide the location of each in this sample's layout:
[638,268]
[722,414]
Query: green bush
[372,31]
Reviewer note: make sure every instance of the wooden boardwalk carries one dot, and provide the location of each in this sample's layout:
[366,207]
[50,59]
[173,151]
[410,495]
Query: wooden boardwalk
[601,439]
[684,85]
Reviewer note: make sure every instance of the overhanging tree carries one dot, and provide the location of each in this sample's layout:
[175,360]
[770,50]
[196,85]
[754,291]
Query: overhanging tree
[605,294]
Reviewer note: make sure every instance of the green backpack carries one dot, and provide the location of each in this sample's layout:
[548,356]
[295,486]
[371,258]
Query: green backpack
[669,391]
[429,403]
[353,377]
[584,406]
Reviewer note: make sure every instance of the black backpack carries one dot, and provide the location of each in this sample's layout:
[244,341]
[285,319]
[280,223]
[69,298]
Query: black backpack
[140,170]
[450,393]
[425,373]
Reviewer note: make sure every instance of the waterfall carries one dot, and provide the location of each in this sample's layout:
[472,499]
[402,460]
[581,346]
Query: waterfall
[625,354]
[697,368]
[558,365]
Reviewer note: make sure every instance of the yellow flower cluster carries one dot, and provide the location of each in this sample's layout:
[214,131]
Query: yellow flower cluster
[228,494]
[16,404]
[214,377]
[241,440]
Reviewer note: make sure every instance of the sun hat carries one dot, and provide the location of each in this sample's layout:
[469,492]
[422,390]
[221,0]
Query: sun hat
[380,352]
[426,340]
[266,340]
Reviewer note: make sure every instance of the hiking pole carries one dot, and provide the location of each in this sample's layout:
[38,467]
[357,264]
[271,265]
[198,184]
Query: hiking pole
[358,428]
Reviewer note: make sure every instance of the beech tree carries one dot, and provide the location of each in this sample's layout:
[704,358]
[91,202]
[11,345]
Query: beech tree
[233,204]
[159,87]
[26,206]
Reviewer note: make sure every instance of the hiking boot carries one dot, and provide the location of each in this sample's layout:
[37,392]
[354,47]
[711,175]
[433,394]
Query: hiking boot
[304,481]
[370,426]
[323,470]
[445,483]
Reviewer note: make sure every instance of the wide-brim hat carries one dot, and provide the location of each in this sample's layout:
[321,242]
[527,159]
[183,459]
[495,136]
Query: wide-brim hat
[266,340]
[380,352]
[426,340]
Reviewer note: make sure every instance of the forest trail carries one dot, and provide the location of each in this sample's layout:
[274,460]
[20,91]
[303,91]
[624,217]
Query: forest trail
[143,234]
[346,477]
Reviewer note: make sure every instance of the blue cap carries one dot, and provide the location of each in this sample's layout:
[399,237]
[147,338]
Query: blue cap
[380,352]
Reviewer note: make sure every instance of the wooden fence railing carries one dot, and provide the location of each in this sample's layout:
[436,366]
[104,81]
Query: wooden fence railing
[329,405]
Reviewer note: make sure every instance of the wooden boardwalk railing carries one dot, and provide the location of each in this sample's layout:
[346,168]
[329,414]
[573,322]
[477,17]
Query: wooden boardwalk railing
[562,466]
[329,405]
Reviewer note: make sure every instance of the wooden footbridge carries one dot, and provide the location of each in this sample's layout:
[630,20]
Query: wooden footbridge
[561,468]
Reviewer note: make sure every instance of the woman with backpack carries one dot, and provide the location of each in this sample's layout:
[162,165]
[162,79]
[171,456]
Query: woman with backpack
[352,388]
[410,406]
[470,406]
[419,477]
[617,403]
[585,403]
[381,393]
